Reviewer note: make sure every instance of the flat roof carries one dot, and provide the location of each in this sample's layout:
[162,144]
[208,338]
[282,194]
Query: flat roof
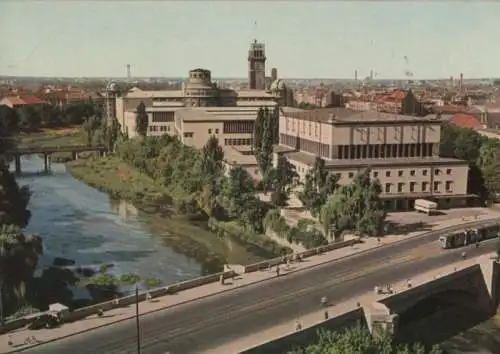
[217,113]
[346,116]
[233,156]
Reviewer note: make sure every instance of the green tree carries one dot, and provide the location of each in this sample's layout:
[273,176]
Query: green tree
[18,259]
[354,207]
[319,184]
[14,200]
[465,144]
[283,179]
[9,129]
[489,164]
[109,133]
[141,120]
[258,131]
[359,340]
[263,140]
[238,191]
[212,159]
[29,118]
[90,126]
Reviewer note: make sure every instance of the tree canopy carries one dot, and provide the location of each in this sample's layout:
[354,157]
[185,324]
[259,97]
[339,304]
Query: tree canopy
[355,207]
[141,120]
[480,152]
[359,340]
[319,184]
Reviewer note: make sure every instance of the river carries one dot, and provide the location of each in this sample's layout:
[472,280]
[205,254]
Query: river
[80,223]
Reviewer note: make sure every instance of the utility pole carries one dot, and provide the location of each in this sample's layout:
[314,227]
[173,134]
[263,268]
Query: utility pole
[2,322]
[137,320]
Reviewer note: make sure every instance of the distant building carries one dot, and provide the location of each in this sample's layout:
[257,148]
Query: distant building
[257,66]
[21,101]
[402,152]
[397,102]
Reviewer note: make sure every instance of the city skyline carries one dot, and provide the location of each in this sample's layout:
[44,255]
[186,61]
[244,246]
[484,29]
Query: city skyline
[98,39]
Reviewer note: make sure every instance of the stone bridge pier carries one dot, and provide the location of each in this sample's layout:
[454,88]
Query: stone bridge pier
[471,291]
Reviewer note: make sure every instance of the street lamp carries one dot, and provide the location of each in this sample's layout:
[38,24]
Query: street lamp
[2,322]
[138,330]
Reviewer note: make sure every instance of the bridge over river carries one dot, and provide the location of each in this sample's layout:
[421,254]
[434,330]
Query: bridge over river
[47,151]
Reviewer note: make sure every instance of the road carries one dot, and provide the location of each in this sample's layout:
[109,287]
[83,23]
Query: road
[210,322]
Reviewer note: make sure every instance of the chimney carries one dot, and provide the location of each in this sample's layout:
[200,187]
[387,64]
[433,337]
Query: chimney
[355,75]
[461,83]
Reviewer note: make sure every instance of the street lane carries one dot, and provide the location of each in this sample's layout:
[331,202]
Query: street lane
[197,326]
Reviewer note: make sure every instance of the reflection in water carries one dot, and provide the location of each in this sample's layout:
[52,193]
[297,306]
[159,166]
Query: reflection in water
[79,222]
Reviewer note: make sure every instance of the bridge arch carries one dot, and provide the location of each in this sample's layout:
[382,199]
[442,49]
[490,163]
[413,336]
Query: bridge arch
[440,315]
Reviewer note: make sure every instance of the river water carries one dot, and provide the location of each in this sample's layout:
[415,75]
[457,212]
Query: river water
[80,223]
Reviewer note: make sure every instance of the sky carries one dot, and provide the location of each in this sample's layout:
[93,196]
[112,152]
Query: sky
[304,39]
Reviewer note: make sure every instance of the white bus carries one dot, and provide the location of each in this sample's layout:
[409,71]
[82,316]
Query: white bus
[425,206]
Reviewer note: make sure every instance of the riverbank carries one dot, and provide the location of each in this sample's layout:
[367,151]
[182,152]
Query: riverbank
[121,181]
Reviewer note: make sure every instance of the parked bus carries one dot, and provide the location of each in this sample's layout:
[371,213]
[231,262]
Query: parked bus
[469,236]
[425,206]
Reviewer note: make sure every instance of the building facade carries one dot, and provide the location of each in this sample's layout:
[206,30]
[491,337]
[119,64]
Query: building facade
[401,151]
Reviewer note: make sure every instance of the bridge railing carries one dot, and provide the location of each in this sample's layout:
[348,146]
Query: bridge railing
[56,148]
[83,312]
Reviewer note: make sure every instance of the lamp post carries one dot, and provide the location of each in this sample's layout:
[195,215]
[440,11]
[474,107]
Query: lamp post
[138,330]
[2,321]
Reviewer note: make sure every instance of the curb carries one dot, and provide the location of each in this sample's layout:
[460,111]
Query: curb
[378,246]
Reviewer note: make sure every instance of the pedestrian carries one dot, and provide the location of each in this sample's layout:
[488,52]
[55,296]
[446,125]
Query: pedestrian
[298,326]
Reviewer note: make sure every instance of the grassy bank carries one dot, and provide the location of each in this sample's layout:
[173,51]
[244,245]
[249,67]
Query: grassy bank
[121,181]
[118,179]
[54,137]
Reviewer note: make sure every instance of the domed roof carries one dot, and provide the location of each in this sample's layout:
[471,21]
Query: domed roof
[278,85]
[112,87]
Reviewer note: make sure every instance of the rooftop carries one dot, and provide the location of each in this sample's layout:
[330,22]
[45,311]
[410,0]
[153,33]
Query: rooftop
[233,156]
[342,115]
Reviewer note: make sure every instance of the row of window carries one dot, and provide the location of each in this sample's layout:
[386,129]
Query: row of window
[238,142]
[163,117]
[385,151]
[238,127]
[210,131]
[437,187]
[159,128]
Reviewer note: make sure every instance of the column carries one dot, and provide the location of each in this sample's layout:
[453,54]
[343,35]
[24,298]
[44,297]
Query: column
[18,164]
[46,163]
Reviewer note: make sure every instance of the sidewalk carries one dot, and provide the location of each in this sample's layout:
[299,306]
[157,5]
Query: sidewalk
[120,314]
[315,318]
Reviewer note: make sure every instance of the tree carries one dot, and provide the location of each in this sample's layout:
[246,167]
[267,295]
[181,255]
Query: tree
[9,128]
[141,120]
[263,140]
[109,133]
[354,207]
[257,131]
[489,164]
[283,179]
[90,126]
[18,259]
[238,191]
[212,159]
[29,118]
[13,200]
[465,144]
[319,184]
[359,340]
